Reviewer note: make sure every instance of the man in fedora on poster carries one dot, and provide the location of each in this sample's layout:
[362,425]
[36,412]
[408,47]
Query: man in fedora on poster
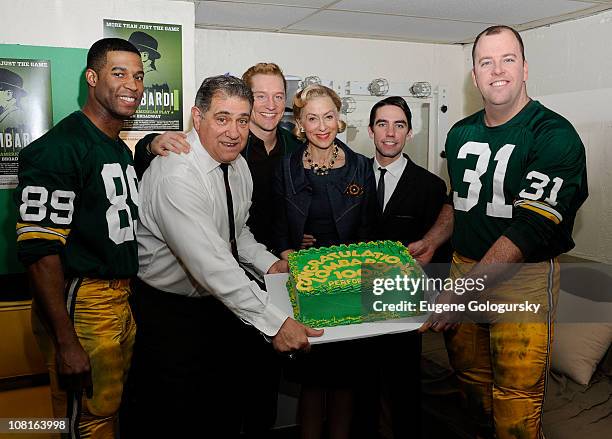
[147,46]
[11,92]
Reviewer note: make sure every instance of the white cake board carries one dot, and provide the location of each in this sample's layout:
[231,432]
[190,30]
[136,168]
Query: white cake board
[276,287]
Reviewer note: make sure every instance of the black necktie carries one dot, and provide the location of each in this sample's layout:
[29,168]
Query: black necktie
[230,211]
[380,190]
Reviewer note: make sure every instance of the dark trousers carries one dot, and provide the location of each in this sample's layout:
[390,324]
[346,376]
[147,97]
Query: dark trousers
[392,380]
[195,369]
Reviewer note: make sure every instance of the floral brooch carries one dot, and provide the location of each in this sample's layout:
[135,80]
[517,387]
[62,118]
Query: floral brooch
[354,190]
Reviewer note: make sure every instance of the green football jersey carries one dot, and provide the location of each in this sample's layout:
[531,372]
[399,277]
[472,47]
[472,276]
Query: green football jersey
[524,179]
[78,197]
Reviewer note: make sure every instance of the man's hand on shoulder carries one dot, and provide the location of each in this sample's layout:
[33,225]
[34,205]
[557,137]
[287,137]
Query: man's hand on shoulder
[280,266]
[170,141]
[293,336]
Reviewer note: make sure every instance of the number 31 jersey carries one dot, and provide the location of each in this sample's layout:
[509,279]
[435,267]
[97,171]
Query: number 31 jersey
[78,197]
[524,179]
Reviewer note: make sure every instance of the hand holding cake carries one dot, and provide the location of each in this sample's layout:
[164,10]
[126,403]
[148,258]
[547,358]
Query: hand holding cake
[293,336]
[444,321]
[280,266]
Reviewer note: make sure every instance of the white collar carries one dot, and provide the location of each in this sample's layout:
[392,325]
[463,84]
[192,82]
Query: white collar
[395,168]
[208,163]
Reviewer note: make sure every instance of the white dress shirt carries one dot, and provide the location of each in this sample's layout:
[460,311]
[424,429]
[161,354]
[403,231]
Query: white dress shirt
[392,177]
[183,234]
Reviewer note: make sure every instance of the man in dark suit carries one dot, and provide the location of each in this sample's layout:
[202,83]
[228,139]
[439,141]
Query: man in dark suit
[409,196]
[409,200]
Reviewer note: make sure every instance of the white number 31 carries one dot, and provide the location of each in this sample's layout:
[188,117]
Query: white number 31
[497,207]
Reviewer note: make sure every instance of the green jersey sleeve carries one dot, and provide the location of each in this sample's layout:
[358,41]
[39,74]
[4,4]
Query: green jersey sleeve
[552,188]
[45,198]
[78,197]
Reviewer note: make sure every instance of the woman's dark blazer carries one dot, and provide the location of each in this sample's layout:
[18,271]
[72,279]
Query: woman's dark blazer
[352,199]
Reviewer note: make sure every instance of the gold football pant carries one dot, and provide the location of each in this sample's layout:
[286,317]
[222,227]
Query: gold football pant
[104,325]
[502,365]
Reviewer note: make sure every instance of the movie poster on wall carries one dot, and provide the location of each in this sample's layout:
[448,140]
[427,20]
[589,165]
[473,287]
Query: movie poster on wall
[26,112]
[160,46]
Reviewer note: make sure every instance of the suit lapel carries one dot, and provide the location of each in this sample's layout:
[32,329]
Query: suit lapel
[403,188]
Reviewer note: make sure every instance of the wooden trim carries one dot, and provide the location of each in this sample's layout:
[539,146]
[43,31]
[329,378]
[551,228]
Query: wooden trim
[22,382]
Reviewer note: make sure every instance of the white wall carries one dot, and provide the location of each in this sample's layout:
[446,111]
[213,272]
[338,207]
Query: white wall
[333,58]
[570,67]
[570,71]
[78,23]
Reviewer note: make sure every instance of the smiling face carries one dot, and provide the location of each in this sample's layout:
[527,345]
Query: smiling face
[500,72]
[224,128]
[319,118]
[389,132]
[269,105]
[118,86]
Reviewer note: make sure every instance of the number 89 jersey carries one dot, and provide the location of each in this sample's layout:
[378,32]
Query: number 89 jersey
[524,179]
[78,197]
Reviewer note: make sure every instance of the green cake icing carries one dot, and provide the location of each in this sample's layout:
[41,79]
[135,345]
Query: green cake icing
[330,286]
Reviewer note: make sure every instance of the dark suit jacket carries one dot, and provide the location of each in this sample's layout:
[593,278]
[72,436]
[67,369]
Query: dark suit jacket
[263,166]
[352,199]
[413,208]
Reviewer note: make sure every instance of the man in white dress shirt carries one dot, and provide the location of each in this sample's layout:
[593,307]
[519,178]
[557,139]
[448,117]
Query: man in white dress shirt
[193,300]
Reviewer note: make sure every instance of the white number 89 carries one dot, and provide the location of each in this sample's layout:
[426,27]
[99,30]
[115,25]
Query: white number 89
[34,200]
[61,201]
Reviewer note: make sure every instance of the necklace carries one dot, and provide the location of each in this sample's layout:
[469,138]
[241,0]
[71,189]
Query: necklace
[321,169]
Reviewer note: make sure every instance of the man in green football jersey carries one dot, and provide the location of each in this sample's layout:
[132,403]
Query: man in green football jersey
[518,176]
[78,204]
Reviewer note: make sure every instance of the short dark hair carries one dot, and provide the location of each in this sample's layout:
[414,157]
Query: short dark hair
[396,101]
[226,85]
[494,30]
[96,57]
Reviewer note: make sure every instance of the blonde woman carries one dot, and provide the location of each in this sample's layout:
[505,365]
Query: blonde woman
[325,195]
